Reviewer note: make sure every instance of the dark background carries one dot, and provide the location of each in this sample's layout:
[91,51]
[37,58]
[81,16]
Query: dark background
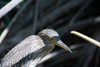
[62,16]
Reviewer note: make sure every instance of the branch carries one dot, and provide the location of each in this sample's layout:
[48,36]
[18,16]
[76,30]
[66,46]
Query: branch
[9,7]
[86,38]
[66,8]
[80,11]
[6,30]
[36,16]
[80,25]
[57,53]
[77,15]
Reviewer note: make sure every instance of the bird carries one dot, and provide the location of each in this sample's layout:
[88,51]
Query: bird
[30,51]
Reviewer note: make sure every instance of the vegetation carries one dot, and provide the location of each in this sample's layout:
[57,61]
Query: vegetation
[31,16]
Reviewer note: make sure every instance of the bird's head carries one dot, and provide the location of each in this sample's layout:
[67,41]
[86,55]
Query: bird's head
[53,37]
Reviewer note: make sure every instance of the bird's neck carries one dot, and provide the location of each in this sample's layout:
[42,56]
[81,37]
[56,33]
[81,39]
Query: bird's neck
[40,56]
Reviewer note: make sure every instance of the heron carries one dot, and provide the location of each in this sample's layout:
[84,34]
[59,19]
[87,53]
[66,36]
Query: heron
[32,49]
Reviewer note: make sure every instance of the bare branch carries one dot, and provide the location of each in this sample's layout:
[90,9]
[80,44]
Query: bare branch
[80,11]
[76,15]
[36,16]
[9,7]
[86,38]
[12,21]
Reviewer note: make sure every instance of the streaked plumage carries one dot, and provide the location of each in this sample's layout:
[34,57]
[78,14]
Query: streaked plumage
[31,50]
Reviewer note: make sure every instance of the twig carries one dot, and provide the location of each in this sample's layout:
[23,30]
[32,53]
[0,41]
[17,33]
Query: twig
[80,11]
[36,16]
[51,55]
[60,21]
[88,59]
[90,49]
[66,8]
[7,18]
[76,15]
[97,57]
[41,14]
[86,38]
[6,30]
[81,24]
[97,37]
[65,56]
[9,7]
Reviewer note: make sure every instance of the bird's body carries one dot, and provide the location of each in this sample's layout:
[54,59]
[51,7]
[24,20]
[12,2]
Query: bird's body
[30,51]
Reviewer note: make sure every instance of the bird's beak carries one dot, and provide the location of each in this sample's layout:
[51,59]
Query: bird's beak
[61,44]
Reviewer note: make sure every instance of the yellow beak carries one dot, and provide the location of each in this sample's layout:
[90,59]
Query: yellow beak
[61,44]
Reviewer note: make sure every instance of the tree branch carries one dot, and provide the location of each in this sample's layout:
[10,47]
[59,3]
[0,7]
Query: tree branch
[9,7]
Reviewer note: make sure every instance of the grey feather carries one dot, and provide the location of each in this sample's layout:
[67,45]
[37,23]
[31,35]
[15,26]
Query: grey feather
[31,50]
[31,46]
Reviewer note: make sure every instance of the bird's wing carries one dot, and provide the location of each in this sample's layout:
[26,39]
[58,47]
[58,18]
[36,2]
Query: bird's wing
[27,47]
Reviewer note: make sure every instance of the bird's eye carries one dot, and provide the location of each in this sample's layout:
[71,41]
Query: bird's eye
[52,38]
